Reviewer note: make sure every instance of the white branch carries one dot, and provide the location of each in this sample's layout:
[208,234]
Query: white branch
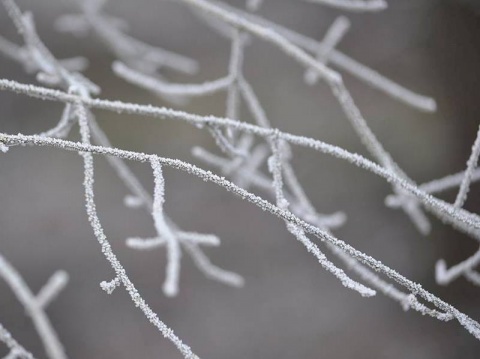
[342,61]
[52,288]
[333,36]
[160,87]
[35,309]
[467,179]
[354,5]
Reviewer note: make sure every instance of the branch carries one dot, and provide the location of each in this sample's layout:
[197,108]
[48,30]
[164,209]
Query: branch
[458,217]
[11,140]
[35,305]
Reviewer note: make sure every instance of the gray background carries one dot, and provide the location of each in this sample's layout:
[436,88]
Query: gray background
[290,307]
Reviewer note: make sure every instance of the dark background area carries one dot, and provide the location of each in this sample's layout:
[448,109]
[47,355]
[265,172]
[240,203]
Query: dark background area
[289,307]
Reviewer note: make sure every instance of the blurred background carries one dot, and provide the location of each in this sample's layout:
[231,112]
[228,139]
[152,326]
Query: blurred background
[290,307]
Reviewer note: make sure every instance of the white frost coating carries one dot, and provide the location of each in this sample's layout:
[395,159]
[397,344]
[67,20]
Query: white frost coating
[110,286]
[354,5]
[3,148]
[34,306]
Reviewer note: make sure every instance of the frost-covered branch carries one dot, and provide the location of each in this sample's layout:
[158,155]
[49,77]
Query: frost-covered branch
[416,289]
[275,164]
[458,217]
[173,240]
[138,64]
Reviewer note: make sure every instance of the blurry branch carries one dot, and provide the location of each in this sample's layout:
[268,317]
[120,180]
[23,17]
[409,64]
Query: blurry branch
[335,57]
[354,5]
[161,87]
[128,50]
[23,55]
[348,5]
[333,36]
[253,5]
[35,305]
[110,31]
[445,276]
